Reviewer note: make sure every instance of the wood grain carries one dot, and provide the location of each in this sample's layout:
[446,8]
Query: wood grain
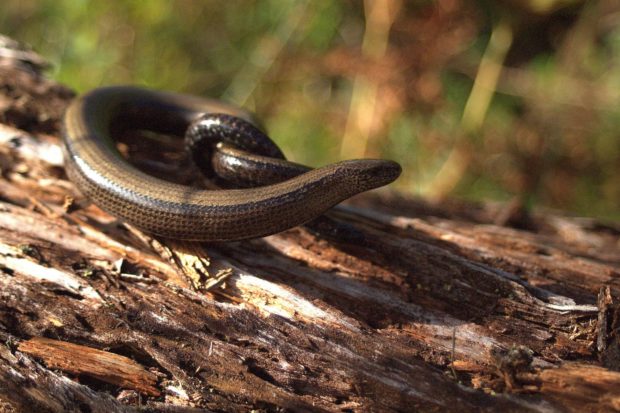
[434,307]
[85,361]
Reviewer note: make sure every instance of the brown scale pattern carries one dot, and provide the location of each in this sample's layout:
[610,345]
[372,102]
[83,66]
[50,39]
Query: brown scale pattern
[182,212]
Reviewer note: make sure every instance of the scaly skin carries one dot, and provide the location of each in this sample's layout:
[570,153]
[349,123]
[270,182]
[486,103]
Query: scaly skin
[181,212]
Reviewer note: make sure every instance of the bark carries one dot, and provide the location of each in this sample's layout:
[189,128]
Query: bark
[417,306]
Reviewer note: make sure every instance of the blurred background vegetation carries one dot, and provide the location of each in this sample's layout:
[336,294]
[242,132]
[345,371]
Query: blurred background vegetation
[483,100]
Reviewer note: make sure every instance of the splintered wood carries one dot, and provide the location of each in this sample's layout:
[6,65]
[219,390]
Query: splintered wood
[81,360]
[413,306]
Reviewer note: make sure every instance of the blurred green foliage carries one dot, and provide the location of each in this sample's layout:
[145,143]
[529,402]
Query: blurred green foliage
[482,100]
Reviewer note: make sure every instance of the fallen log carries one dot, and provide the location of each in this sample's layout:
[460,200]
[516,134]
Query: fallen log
[427,307]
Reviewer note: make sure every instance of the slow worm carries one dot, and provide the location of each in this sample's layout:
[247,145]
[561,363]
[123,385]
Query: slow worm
[181,212]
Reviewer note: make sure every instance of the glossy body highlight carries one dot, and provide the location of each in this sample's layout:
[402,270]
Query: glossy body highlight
[181,212]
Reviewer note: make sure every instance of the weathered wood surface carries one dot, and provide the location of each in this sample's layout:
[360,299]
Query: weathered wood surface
[427,307]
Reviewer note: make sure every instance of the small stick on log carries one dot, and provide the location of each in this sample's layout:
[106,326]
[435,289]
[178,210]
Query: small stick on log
[86,361]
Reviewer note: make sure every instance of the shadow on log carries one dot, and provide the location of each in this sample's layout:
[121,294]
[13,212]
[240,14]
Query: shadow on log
[429,307]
